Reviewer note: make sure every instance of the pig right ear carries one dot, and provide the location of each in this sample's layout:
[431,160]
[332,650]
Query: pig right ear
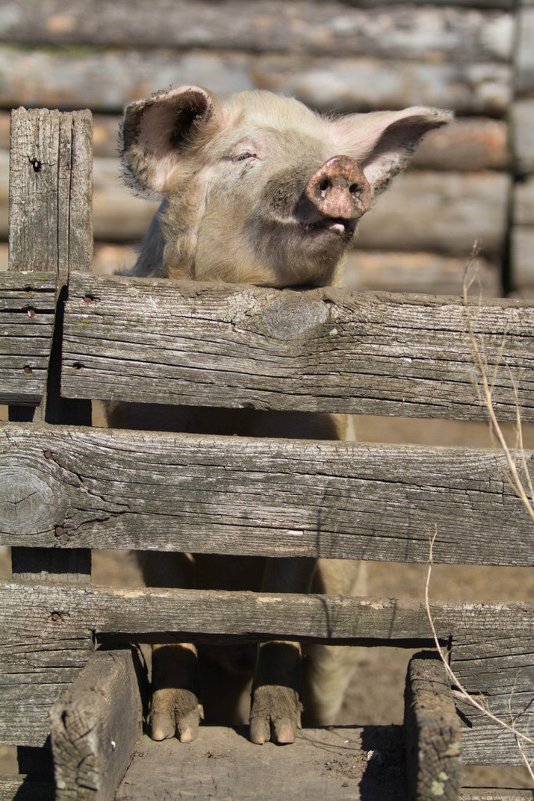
[157,132]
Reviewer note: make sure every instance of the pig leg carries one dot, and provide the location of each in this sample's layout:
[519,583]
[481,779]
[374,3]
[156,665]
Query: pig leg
[329,668]
[175,708]
[276,708]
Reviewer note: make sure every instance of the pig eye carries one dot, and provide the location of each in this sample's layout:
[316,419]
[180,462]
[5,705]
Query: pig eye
[244,156]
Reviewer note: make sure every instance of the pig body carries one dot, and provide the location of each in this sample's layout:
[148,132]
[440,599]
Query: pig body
[255,188]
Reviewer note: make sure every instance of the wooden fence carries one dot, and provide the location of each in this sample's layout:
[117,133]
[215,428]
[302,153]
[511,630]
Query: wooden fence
[67,488]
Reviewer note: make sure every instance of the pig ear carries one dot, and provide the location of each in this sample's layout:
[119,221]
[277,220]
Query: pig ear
[157,132]
[382,142]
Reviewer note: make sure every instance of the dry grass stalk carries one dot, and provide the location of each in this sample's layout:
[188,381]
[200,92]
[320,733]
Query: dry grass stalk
[521,482]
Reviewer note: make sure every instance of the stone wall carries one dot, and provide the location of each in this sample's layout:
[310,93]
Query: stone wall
[473,181]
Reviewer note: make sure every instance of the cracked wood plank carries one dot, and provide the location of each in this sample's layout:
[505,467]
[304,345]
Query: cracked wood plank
[432,731]
[25,788]
[271,26]
[49,631]
[68,487]
[27,308]
[95,725]
[334,764]
[157,341]
[50,191]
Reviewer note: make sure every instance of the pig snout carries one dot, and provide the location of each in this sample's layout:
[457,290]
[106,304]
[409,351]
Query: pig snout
[339,191]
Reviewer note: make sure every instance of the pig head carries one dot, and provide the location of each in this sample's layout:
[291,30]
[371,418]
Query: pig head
[258,188]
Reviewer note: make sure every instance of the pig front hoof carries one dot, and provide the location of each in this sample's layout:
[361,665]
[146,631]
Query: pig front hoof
[175,712]
[275,714]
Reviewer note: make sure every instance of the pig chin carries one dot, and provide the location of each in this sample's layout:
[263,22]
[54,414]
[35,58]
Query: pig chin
[300,252]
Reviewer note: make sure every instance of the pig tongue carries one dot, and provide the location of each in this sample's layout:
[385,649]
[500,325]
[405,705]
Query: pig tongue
[336,226]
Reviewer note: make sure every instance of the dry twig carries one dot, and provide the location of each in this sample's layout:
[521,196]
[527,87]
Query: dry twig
[521,482]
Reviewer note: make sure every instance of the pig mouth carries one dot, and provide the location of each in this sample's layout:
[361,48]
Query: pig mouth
[334,226]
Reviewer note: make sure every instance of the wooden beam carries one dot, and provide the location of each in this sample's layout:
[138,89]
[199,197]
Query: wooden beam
[432,732]
[27,308]
[49,630]
[50,191]
[271,26]
[157,341]
[106,79]
[68,487]
[25,788]
[95,725]
[50,232]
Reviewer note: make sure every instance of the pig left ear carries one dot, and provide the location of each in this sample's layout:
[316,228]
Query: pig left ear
[157,134]
[382,142]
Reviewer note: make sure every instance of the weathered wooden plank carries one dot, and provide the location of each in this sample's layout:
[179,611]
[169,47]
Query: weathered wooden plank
[25,788]
[50,229]
[522,114]
[337,764]
[443,212]
[522,237]
[390,271]
[524,203]
[320,350]
[49,631]
[105,79]
[27,307]
[270,25]
[495,794]
[95,725]
[50,191]
[524,59]
[51,564]
[466,144]
[432,731]
[75,487]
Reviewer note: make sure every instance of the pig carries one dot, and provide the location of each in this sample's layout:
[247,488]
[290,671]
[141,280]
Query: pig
[255,188]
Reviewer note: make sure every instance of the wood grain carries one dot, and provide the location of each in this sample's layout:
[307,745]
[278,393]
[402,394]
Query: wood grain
[432,731]
[95,725]
[50,191]
[271,25]
[105,78]
[67,487]
[49,631]
[27,308]
[318,350]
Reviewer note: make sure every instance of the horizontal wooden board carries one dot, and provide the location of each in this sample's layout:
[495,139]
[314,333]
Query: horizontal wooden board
[337,764]
[270,25]
[95,726]
[24,788]
[330,764]
[92,488]
[105,80]
[522,117]
[385,270]
[441,212]
[466,144]
[27,307]
[320,350]
[49,631]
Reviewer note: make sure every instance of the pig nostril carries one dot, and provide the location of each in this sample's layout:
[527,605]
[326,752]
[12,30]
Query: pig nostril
[354,189]
[324,185]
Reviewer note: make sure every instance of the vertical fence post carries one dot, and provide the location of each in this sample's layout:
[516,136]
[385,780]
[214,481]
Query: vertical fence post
[50,229]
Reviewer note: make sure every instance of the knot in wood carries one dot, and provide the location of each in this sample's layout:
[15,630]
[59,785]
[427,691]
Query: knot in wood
[293,316]
[30,502]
